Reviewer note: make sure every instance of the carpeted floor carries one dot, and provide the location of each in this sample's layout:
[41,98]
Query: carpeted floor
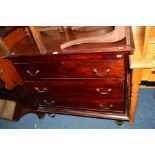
[145,118]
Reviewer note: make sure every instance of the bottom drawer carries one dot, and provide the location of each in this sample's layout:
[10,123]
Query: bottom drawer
[87,103]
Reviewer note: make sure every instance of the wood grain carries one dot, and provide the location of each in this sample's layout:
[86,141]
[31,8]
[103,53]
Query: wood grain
[80,87]
[136,80]
[9,75]
[10,41]
[71,69]
[38,39]
[116,35]
[4,48]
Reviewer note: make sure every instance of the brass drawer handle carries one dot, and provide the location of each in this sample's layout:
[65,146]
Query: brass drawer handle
[103,106]
[52,115]
[49,103]
[104,93]
[40,91]
[33,74]
[104,74]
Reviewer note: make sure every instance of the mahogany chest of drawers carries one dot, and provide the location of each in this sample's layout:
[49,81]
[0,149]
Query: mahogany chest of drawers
[93,81]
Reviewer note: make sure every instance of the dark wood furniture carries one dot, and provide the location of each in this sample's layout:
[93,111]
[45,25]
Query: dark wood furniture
[86,80]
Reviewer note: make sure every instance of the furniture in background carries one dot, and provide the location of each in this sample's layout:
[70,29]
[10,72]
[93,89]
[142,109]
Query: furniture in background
[90,79]
[142,62]
[9,77]
[118,33]
[8,73]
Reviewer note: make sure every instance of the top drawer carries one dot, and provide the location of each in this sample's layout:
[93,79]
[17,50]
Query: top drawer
[71,69]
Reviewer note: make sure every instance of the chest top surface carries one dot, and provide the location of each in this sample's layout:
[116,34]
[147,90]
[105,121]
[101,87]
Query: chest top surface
[53,39]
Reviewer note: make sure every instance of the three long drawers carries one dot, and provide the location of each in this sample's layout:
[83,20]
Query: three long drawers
[97,85]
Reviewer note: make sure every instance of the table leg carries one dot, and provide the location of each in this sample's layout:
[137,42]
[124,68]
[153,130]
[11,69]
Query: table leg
[136,80]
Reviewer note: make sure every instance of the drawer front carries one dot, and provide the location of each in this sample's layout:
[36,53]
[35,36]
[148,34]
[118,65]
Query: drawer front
[71,69]
[99,88]
[87,103]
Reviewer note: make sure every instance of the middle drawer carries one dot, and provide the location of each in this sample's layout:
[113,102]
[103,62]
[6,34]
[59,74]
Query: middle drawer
[71,69]
[113,88]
